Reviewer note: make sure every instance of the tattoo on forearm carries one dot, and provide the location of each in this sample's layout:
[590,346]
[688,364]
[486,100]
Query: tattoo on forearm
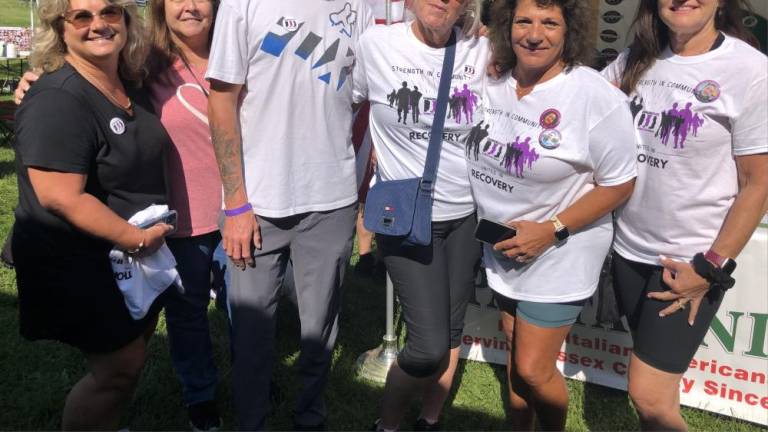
[228,156]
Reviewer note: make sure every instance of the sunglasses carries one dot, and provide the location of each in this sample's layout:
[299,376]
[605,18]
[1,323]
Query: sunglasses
[82,18]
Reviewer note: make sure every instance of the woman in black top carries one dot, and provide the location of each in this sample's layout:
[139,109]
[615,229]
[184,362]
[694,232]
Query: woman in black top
[89,155]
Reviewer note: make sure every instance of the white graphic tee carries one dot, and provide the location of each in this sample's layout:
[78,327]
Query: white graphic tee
[400,75]
[693,115]
[295,58]
[533,158]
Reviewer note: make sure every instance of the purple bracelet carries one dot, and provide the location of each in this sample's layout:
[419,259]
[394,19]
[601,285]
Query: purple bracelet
[240,210]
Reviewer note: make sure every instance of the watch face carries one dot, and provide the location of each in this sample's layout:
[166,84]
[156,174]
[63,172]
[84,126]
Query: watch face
[562,234]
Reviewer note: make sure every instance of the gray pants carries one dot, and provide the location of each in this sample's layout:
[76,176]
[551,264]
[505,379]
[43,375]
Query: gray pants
[319,244]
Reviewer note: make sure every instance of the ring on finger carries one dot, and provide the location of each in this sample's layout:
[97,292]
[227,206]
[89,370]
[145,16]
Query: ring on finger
[681,304]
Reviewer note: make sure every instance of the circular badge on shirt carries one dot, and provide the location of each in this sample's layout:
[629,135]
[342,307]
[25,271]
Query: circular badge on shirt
[550,118]
[117,125]
[707,91]
[550,139]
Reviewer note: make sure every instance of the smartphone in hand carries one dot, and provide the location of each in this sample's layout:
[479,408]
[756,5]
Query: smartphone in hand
[170,218]
[491,232]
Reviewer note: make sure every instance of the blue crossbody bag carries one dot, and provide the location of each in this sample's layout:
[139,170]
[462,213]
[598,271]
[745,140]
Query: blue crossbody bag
[403,208]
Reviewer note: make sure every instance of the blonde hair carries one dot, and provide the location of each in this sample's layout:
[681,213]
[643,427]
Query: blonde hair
[48,47]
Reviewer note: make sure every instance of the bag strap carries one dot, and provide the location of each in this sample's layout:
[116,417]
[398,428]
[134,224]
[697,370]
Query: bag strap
[438,120]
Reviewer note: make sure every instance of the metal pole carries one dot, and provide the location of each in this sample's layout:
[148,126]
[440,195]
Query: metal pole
[374,364]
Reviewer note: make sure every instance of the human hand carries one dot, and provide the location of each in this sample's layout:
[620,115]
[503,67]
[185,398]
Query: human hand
[531,240]
[25,83]
[685,286]
[153,238]
[493,69]
[240,233]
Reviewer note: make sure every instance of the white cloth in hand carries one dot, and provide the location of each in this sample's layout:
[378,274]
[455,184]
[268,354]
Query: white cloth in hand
[142,280]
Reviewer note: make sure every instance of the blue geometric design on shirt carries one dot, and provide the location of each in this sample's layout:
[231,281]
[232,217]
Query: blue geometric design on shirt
[325,78]
[345,72]
[308,45]
[329,55]
[275,44]
[350,53]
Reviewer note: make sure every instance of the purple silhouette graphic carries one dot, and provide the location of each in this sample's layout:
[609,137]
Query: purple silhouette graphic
[519,155]
[462,101]
[677,123]
[470,102]
[697,121]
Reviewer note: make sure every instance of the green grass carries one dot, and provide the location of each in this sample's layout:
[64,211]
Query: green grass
[37,376]
[15,13]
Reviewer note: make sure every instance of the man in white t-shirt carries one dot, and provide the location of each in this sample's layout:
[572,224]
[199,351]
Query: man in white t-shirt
[280,115]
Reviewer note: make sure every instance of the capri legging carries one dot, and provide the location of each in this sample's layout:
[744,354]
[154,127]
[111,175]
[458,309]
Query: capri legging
[434,284]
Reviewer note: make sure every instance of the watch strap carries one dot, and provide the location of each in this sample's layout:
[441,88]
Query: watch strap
[728,265]
[561,231]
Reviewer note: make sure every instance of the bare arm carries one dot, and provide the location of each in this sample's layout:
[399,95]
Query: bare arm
[739,224]
[748,207]
[64,194]
[240,232]
[534,237]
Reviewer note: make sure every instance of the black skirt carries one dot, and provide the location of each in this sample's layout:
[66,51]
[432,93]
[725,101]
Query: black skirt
[73,299]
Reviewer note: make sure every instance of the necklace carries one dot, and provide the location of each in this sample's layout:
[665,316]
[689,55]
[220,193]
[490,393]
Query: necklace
[125,106]
[186,64]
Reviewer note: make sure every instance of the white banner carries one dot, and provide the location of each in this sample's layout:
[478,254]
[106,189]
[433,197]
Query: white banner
[727,374]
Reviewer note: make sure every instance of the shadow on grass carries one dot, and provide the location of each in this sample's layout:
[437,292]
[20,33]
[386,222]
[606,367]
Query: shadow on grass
[7,168]
[38,375]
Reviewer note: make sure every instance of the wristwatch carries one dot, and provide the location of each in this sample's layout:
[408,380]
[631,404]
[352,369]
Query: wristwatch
[561,231]
[725,264]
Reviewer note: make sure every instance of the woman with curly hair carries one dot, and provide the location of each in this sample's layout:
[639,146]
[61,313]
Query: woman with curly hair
[89,155]
[559,157]
[698,92]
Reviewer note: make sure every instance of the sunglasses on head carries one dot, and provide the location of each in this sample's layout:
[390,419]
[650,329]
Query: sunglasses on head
[82,18]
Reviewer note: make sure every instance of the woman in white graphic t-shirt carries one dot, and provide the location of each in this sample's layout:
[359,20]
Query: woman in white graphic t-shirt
[697,93]
[398,70]
[558,158]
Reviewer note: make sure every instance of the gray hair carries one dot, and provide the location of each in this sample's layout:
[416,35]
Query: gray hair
[469,21]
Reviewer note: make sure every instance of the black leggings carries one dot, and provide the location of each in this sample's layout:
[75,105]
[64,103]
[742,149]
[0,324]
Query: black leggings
[434,284]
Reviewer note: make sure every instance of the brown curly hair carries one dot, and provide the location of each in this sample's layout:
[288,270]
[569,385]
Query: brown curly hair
[579,39]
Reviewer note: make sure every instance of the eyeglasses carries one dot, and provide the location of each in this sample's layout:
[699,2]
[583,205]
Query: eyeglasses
[82,18]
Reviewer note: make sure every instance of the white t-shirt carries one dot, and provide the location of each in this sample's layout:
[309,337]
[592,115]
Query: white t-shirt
[693,114]
[399,74]
[295,58]
[544,152]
